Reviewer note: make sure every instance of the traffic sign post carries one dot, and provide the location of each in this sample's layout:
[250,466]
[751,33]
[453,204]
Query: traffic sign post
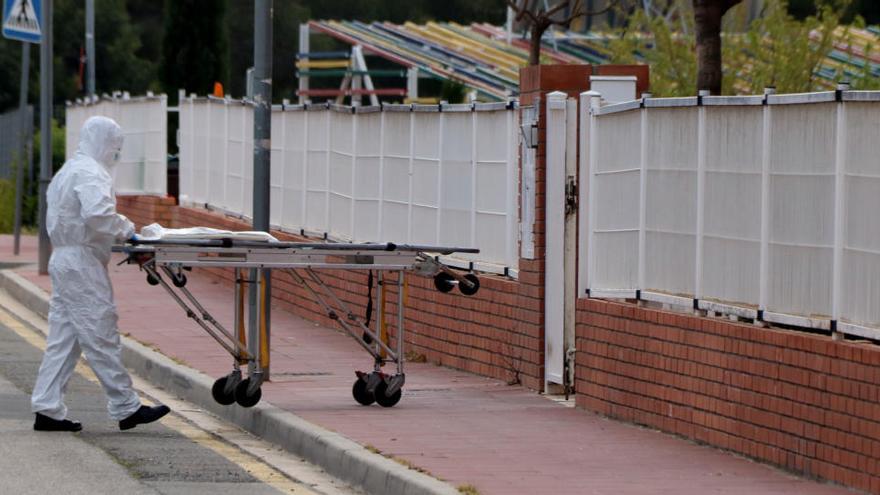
[22,21]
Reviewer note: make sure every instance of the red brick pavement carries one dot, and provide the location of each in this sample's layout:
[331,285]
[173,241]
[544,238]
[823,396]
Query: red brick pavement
[460,427]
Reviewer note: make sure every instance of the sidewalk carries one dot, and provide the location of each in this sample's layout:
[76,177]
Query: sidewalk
[462,428]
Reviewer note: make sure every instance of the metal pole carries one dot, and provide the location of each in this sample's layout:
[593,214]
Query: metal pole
[23,115]
[262,145]
[46,58]
[90,47]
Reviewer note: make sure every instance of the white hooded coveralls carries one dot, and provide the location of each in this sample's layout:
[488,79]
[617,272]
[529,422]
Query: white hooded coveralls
[82,223]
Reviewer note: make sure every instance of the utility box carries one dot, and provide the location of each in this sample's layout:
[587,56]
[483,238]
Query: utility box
[614,89]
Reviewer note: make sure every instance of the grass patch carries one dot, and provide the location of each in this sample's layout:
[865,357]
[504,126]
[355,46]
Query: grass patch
[415,357]
[468,490]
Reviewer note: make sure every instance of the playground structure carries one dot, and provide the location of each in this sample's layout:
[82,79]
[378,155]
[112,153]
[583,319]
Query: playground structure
[482,57]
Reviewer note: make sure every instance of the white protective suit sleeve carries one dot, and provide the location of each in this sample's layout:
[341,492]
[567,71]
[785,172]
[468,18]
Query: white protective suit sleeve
[99,210]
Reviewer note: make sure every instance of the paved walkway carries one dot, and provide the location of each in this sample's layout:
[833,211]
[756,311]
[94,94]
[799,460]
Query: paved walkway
[460,427]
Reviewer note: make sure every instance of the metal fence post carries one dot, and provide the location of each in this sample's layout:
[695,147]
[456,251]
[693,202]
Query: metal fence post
[839,210]
[643,192]
[765,205]
[701,196]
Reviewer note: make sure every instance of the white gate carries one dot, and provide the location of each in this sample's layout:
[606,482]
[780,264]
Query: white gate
[561,242]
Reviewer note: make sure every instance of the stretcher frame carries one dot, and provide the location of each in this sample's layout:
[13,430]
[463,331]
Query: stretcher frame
[166,261]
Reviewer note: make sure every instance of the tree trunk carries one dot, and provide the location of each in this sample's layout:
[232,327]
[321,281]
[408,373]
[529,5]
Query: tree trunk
[707,17]
[538,29]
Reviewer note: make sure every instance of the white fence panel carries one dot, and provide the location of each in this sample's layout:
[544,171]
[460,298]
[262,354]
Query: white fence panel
[494,186]
[343,128]
[615,207]
[860,270]
[215,154]
[293,144]
[732,205]
[400,173]
[367,177]
[199,155]
[426,184]
[801,209]
[317,170]
[142,168]
[397,146]
[758,206]
[670,200]
[457,169]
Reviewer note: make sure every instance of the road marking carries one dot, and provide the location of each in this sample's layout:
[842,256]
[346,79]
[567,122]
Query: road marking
[248,462]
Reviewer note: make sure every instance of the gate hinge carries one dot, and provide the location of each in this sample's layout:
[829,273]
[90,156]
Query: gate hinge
[571,195]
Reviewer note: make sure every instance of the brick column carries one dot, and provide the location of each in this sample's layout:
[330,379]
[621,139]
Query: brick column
[535,83]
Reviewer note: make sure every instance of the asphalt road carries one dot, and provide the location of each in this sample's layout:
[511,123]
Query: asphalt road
[185,453]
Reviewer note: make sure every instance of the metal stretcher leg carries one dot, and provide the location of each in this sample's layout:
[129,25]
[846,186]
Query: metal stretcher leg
[369,387]
[230,388]
[334,315]
[231,346]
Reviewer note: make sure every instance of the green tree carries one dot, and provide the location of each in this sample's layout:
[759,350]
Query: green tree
[778,50]
[123,62]
[195,47]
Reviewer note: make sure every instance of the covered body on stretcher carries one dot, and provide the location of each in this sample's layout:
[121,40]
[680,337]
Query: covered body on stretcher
[165,254]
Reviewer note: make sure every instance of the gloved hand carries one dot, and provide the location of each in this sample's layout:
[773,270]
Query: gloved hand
[128,231]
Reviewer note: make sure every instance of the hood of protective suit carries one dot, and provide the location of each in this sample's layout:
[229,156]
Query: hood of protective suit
[101,139]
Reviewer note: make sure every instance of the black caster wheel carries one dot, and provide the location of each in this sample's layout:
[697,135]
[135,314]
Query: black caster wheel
[473,290]
[359,391]
[443,282]
[384,400]
[218,391]
[179,281]
[152,280]
[241,396]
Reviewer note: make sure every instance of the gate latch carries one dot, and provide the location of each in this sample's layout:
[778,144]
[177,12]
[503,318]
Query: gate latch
[571,195]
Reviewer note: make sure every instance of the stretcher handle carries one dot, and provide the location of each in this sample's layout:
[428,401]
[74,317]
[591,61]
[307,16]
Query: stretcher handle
[227,242]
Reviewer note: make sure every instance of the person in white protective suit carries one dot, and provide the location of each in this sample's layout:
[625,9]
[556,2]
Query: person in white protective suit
[83,224]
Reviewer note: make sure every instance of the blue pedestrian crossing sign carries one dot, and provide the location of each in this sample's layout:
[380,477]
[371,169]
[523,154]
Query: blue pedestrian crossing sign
[21,20]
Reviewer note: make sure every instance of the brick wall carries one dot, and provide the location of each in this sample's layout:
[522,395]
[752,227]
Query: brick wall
[797,400]
[144,210]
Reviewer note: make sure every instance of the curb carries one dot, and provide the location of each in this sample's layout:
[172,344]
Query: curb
[336,454]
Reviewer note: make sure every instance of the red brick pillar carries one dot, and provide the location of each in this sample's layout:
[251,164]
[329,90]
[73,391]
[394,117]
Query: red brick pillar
[535,83]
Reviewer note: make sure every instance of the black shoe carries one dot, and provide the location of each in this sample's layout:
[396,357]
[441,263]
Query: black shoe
[45,423]
[143,416]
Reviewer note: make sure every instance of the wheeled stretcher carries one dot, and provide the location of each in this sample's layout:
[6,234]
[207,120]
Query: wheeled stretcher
[166,262]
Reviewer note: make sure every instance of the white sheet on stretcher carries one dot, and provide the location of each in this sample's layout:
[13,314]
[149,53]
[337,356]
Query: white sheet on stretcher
[155,232]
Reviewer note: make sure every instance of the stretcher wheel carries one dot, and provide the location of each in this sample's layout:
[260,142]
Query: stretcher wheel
[474,280]
[241,396]
[384,400]
[218,391]
[152,280]
[444,282]
[360,393]
[179,281]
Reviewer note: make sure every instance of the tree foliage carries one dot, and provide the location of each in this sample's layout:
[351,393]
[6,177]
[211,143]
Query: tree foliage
[195,47]
[775,50]
[124,62]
